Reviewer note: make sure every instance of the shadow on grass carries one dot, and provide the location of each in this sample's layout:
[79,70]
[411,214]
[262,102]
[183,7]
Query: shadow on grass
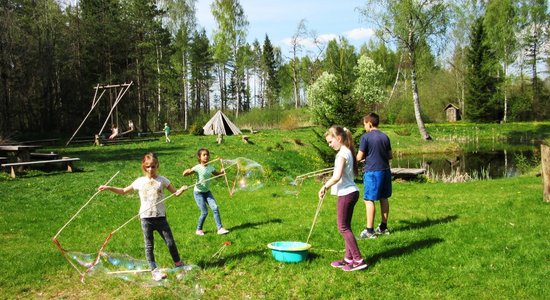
[410,225]
[396,252]
[214,263]
[255,224]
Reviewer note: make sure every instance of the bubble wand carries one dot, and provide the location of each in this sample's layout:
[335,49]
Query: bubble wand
[96,261]
[226,181]
[56,241]
[300,178]
[315,173]
[319,204]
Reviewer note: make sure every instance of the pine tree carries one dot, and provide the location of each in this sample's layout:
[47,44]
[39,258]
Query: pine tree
[481,80]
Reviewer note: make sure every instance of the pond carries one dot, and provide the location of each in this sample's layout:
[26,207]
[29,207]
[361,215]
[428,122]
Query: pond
[486,164]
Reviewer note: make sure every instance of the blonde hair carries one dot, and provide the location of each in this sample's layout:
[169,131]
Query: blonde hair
[347,139]
[149,158]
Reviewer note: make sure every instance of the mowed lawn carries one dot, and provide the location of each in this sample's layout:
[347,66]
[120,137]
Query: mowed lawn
[484,239]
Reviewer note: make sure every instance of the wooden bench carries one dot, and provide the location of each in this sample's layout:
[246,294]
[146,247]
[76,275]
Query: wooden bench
[68,161]
[128,140]
[44,156]
[406,173]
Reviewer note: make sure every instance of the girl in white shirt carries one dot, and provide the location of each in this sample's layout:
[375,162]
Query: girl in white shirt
[153,211]
[342,184]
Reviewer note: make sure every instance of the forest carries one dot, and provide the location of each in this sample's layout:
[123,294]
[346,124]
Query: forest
[488,58]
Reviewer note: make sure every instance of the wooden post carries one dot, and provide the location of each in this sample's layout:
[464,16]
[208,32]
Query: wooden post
[545,165]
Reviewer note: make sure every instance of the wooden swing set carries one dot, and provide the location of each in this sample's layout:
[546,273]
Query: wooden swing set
[120,91]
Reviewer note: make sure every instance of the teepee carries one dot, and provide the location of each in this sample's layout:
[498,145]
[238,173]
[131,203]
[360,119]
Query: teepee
[220,124]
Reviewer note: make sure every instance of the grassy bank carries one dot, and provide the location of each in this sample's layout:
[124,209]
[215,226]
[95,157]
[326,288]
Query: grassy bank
[484,239]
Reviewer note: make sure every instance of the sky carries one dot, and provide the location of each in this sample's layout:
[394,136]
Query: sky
[279,19]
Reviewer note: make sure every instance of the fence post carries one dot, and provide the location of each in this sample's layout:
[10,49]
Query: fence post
[545,162]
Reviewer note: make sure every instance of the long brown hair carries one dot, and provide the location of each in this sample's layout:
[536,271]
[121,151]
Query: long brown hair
[347,139]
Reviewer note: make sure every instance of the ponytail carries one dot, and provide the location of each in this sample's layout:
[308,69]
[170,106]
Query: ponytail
[347,140]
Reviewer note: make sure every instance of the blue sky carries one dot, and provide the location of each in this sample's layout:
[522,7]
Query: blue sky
[279,19]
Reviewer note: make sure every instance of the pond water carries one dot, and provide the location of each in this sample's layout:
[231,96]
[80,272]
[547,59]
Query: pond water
[477,164]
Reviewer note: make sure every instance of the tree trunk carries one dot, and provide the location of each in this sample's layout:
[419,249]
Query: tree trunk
[159,98]
[545,161]
[396,78]
[416,101]
[186,90]
[140,104]
[295,82]
[505,118]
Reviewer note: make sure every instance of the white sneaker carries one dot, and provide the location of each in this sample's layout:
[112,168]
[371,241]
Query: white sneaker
[223,231]
[158,275]
[199,232]
[367,235]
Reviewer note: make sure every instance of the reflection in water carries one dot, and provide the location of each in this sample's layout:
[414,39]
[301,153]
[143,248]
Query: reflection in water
[475,164]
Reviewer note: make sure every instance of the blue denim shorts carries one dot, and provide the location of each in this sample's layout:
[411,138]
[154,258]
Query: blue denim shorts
[377,185]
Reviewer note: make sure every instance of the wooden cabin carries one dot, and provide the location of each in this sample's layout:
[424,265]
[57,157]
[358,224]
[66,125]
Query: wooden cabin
[452,112]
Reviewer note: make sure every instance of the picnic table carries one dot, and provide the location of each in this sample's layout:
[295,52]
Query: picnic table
[25,157]
[21,152]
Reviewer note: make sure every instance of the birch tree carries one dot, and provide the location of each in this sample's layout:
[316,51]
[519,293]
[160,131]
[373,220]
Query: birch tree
[409,23]
[501,25]
[228,37]
[181,22]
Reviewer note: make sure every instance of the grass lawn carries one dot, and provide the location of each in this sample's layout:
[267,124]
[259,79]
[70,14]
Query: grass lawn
[483,239]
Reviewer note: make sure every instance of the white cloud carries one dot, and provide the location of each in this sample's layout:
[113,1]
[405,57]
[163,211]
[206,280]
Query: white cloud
[327,37]
[359,34]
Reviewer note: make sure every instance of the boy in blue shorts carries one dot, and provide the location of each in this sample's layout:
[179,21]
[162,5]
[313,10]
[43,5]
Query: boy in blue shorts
[375,148]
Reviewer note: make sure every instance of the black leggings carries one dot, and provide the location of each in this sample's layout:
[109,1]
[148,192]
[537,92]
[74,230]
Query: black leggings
[149,225]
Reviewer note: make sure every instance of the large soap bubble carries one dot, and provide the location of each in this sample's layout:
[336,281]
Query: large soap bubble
[131,269]
[244,174]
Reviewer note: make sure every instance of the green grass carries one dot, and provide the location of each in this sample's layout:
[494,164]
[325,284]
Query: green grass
[483,239]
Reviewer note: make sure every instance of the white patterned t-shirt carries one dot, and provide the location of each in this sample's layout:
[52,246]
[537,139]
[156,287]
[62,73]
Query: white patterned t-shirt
[151,191]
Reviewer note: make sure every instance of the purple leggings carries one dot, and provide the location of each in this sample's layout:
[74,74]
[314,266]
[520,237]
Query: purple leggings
[344,212]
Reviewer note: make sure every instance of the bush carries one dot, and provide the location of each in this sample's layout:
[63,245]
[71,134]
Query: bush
[290,122]
[196,129]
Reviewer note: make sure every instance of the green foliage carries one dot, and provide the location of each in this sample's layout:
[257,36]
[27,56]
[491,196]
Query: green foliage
[384,57]
[482,100]
[270,65]
[271,118]
[525,164]
[405,131]
[340,60]
[328,106]
[198,123]
[369,83]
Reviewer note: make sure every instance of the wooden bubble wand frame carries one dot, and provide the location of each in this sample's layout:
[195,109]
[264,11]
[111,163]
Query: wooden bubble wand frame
[96,261]
[298,180]
[56,241]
